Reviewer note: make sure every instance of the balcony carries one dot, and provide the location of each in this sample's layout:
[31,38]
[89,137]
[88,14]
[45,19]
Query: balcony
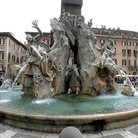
[129,55]
[132,67]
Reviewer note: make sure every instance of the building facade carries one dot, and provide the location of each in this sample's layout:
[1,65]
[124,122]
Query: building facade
[126,42]
[11,52]
[126,45]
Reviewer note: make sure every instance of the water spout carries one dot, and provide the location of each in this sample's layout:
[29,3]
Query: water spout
[19,73]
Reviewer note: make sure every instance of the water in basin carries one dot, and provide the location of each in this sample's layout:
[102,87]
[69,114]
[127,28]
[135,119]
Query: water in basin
[67,104]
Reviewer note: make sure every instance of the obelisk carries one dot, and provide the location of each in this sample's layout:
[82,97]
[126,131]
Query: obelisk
[71,6]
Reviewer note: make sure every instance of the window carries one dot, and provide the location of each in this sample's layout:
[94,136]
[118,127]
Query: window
[124,52]
[129,62]
[129,43]
[129,52]
[9,55]
[135,63]
[17,60]
[14,45]
[134,43]
[124,43]
[13,57]
[115,42]
[117,33]
[135,52]
[102,41]
[122,34]
[21,59]
[1,67]
[123,62]
[46,41]
[2,41]
[1,55]
[9,42]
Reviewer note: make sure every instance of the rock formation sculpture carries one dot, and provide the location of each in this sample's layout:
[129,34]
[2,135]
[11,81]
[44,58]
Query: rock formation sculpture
[45,73]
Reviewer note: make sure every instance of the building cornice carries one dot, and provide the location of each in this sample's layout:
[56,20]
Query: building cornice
[10,35]
[35,33]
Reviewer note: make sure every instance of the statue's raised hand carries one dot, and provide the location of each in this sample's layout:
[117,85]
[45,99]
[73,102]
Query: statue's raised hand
[35,22]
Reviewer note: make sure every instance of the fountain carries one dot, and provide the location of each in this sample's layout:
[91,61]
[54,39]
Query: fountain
[54,96]
[46,74]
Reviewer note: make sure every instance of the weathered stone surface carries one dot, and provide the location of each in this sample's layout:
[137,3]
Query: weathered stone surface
[46,73]
[79,2]
[127,92]
[71,6]
[70,132]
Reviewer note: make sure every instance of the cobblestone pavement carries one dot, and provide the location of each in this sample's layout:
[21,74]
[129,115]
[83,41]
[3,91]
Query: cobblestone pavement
[12,132]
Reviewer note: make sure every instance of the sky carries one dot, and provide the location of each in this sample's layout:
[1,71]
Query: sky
[17,15]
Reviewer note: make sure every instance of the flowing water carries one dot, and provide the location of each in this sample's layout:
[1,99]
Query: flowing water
[19,73]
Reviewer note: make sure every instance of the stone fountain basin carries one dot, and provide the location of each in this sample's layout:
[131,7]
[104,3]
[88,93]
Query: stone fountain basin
[55,123]
[85,123]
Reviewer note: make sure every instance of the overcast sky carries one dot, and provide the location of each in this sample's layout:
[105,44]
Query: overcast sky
[17,15]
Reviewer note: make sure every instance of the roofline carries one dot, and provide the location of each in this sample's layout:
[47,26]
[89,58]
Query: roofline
[9,34]
[35,33]
[116,30]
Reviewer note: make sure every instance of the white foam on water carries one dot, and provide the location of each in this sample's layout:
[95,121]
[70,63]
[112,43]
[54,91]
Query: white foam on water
[5,101]
[136,93]
[43,101]
[4,90]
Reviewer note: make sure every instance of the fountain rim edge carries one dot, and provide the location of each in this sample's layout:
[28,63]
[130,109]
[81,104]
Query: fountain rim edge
[107,116]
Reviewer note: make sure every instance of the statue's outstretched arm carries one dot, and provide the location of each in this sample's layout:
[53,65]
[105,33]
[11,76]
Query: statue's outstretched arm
[36,52]
[35,25]
[99,49]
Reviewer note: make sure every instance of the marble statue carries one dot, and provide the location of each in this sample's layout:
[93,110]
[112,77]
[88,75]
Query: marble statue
[46,72]
[73,80]
[6,84]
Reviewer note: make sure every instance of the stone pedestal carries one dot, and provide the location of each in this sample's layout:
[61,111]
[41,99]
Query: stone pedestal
[71,6]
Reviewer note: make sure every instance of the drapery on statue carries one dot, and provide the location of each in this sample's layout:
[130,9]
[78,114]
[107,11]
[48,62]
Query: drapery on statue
[45,73]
